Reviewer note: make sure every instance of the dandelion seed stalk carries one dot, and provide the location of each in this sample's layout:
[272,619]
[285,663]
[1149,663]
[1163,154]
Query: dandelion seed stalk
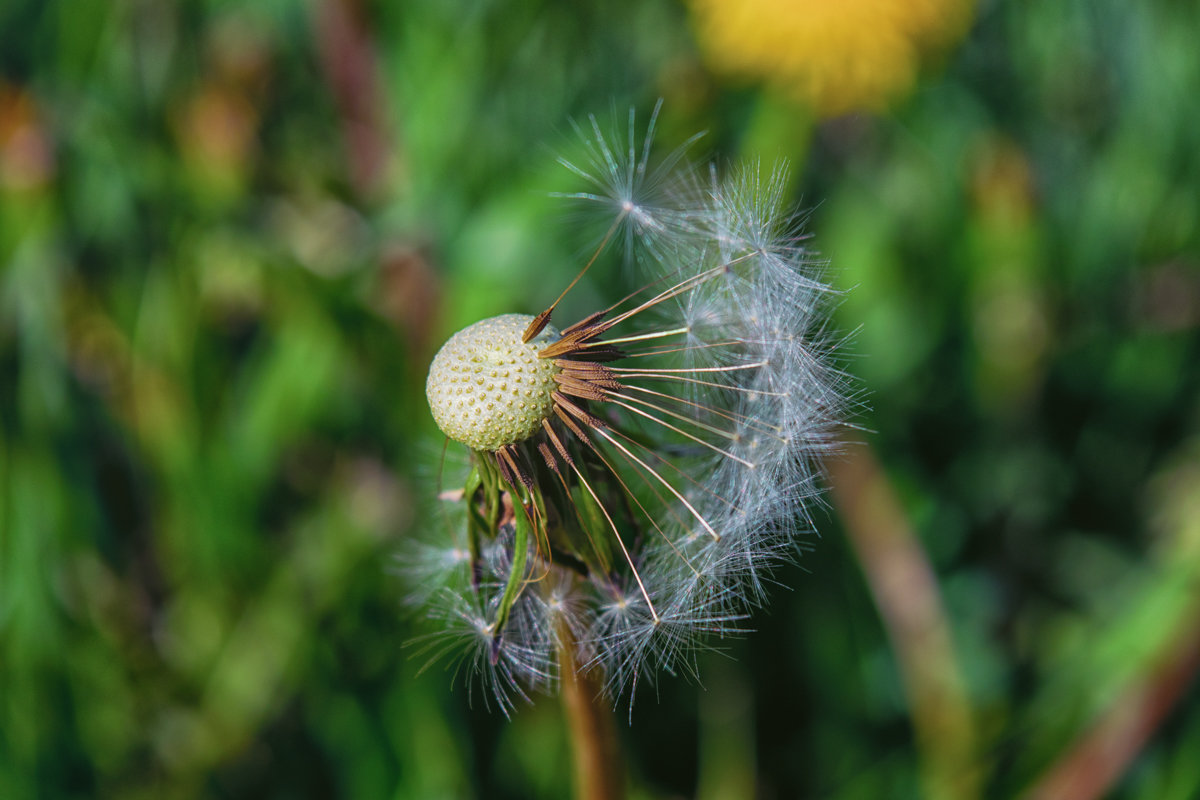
[596,753]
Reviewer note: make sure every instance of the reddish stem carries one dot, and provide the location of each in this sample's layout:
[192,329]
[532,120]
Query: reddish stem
[1102,755]
[598,771]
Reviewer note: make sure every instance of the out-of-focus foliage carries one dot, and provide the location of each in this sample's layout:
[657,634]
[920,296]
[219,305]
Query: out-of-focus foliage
[232,234]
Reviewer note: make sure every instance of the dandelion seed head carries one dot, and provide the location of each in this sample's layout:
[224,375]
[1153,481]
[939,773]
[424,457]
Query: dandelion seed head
[637,476]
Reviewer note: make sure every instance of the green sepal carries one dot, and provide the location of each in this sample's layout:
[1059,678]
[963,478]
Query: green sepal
[476,522]
[516,576]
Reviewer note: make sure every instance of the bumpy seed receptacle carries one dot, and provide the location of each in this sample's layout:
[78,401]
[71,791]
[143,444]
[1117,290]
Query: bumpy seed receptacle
[487,388]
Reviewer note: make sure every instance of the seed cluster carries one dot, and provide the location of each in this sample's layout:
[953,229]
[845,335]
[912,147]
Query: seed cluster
[487,388]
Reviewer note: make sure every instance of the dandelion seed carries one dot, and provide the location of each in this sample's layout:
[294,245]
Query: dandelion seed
[636,475]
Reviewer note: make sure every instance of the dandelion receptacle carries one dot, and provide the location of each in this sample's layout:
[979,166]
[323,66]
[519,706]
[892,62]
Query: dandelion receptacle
[635,475]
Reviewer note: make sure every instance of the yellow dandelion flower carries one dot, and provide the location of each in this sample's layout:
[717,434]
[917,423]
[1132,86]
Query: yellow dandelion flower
[835,57]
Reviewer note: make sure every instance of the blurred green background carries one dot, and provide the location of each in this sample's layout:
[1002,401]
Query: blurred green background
[233,234]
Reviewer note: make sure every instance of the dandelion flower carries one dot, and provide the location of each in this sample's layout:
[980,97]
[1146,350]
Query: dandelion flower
[634,475]
[836,57]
